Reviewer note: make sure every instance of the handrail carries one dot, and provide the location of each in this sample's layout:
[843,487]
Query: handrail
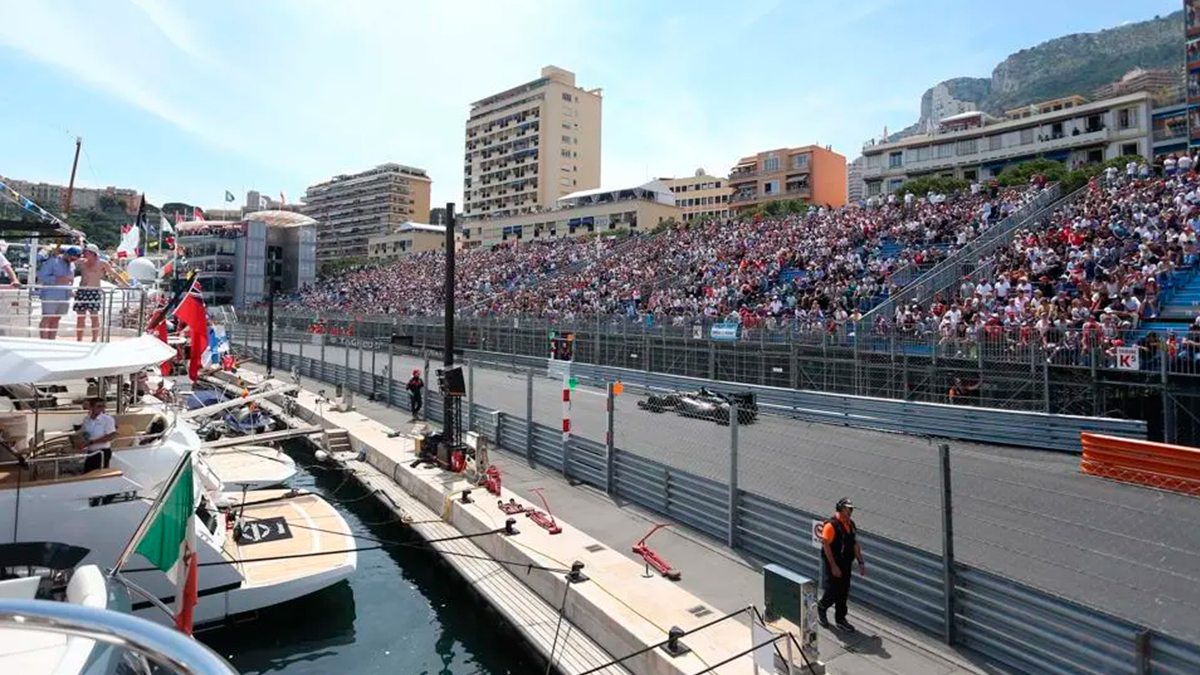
[970,251]
[163,646]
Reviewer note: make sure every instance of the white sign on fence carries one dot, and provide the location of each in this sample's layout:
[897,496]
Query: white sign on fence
[818,533]
[1127,358]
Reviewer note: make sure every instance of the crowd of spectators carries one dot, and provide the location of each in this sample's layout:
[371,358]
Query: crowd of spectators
[1082,283]
[826,265]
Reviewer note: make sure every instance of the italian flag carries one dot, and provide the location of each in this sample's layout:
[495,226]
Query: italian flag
[170,542]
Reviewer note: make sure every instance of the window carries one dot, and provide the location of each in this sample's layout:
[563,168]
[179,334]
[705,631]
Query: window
[566,153]
[895,160]
[966,147]
[771,163]
[1129,149]
[800,162]
[1127,118]
[1095,156]
[771,187]
[874,161]
[995,142]
[944,150]
[566,139]
[894,184]
[970,175]
[565,182]
[567,97]
[1026,136]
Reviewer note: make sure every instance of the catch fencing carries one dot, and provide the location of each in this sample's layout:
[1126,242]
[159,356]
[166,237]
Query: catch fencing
[1020,627]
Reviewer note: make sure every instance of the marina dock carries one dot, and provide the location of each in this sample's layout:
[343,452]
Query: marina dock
[620,609]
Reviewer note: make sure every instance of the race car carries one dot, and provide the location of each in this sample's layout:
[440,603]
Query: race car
[704,404]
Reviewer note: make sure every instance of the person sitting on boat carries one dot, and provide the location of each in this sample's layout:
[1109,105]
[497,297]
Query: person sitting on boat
[99,429]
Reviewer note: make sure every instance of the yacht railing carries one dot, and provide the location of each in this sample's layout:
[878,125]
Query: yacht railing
[122,311]
[162,646]
[34,462]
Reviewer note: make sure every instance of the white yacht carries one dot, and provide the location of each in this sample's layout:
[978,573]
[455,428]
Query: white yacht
[247,541]
[76,621]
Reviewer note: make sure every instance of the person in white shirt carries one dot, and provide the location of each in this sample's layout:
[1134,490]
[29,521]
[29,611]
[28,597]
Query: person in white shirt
[99,429]
[1184,163]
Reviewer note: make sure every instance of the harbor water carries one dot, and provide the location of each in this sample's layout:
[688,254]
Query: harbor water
[403,612]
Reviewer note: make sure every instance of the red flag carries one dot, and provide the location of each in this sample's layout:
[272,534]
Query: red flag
[190,595]
[192,313]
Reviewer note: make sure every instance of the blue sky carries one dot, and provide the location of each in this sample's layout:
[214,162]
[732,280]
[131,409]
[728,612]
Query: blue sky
[185,100]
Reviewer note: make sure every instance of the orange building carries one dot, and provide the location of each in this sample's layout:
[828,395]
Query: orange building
[812,174]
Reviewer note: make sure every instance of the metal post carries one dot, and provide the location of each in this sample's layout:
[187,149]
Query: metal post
[424,406]
[270,330]
[346,349]
[1046,384]
[324,339]
[470,395]
[300,349]
[391,371]
[731,530]
[1168,410]
[949,633]
[358,337]
[449,421]
[529,416]
[609,441]
[374,351]
[1142,648]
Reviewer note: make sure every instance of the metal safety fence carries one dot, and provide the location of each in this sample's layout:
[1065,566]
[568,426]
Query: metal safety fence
[1016,625]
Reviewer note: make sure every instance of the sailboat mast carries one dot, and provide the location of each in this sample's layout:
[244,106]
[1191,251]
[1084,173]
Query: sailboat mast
[71,185]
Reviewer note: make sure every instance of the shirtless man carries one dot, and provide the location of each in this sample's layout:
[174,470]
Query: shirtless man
[88,297]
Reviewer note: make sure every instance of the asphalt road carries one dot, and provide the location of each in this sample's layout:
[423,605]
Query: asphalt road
[1027,514]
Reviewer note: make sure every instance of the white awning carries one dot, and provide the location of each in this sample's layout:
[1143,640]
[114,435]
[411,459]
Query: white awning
[33,361]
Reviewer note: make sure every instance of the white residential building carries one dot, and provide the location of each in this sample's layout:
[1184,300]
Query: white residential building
[977,146]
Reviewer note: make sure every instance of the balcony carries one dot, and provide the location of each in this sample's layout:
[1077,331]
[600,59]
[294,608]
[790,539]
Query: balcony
[739,198]
[1065,141]
[744,176]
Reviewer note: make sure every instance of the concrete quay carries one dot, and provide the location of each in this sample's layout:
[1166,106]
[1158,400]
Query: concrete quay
[619,610]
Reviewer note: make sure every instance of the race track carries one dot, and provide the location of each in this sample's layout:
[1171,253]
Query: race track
[1026,514]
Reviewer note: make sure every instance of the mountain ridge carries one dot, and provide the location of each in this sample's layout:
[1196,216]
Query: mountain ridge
[1072,64]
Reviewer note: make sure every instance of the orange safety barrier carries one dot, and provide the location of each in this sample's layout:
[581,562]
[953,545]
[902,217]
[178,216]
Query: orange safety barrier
[1157,465]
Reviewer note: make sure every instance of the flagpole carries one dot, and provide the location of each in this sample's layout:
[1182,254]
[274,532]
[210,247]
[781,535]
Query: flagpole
[152,514]
[174,299]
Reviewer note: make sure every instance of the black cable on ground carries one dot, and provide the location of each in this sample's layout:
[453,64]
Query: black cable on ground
[647,648]
[424,546]
[742,653]
[562,608]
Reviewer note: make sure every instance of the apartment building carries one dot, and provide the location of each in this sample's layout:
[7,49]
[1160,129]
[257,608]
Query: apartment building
[812,174]
[529,145]
[1053,105]
[1139,79]
[638,208]
[700,195]
[855,190]
[976,146]
[410,238]
[52,197]
[350,209]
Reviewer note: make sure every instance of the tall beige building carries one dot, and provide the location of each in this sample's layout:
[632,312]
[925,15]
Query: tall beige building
[350,209]
[529,145]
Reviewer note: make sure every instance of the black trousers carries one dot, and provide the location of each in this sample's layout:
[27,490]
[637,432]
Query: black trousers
[837,592]
[414,402]
[99,459]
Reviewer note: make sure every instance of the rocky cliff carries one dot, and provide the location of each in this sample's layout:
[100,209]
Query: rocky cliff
[1073,64]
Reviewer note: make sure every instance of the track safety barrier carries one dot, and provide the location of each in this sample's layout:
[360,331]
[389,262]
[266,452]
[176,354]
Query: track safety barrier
[1023,629]
[1156,465]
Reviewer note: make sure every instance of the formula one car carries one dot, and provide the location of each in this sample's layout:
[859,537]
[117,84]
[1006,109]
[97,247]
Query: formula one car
[704,404]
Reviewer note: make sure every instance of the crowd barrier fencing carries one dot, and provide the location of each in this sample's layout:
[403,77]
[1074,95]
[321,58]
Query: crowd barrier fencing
[1018,627]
